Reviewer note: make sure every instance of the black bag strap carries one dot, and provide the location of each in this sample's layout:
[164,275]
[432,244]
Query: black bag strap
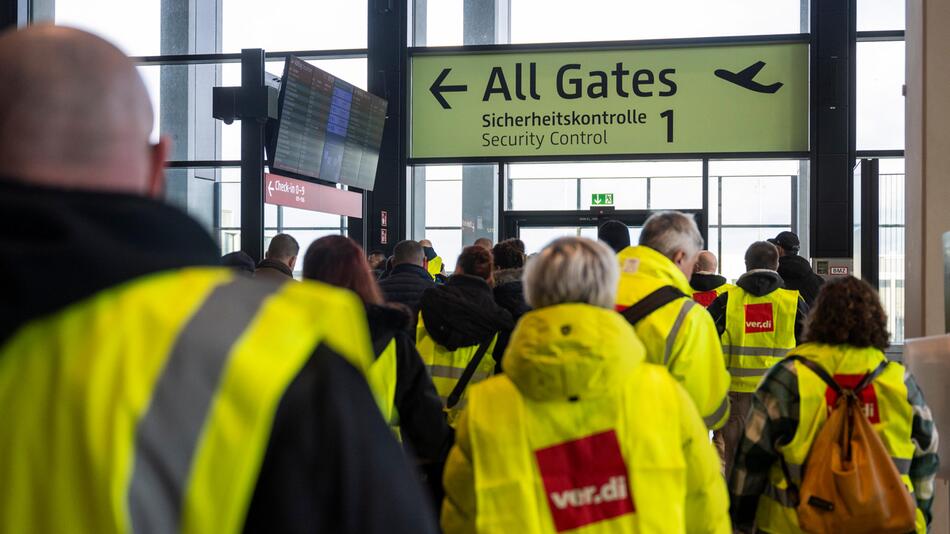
[650,303]
[467,374]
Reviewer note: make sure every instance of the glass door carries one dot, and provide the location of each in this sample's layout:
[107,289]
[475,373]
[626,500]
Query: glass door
[538,228]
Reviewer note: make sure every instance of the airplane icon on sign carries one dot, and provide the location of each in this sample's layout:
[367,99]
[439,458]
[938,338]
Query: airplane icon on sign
[744,78]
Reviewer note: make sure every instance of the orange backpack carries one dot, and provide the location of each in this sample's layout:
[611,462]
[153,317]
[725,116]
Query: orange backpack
[850,483]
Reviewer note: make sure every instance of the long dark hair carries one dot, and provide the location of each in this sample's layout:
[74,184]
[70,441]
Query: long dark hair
[339,261]
[848,312]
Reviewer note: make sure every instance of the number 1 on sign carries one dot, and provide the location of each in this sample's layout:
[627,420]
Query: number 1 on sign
[668,115]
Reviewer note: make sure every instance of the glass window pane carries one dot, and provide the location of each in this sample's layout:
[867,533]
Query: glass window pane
[629,193]
[880,15]
[443,24]
[552,186]
[135,27]
[185,91]
[283,25]
[879,94]
[676,193]
[447,244]
[541,21]
[735,241]
[539,194]
[444,203]
[536,239]
[298,218]
[230,203]
[756,200]
[891,245]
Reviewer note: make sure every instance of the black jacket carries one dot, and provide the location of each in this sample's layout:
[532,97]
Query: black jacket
[405,285]
[759,283]
[706,282]
[421,419]
[330,464]
[509,292]
[463,313]
[798,275]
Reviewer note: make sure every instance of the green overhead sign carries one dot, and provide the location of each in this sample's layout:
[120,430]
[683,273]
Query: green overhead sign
[676,100]
[602,199]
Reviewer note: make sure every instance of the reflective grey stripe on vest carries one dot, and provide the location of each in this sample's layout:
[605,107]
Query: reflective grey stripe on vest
[167,434]
[447,371]
[743,371]
[677,324]
[710,420]
[735,350]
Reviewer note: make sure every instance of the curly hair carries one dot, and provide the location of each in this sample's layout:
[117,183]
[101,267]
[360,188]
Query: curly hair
[507,255]
[848,312]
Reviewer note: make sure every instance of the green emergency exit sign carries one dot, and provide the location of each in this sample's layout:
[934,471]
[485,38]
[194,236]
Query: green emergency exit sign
[602,199]
[684,99]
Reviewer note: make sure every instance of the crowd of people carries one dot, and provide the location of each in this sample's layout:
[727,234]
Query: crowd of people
[149,389]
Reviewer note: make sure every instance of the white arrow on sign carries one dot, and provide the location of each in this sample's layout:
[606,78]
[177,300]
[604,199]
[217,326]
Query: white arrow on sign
[270,188]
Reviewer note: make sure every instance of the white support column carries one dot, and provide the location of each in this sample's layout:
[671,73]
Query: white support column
[927,185]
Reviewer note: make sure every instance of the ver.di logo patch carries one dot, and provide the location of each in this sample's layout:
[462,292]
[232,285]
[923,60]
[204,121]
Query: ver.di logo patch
[585,481]
[867,396]
[759,318]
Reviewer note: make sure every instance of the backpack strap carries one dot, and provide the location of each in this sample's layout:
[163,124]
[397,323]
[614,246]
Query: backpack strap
[456,395]
[650,303]
[827,379]
[870,377]
[820,371]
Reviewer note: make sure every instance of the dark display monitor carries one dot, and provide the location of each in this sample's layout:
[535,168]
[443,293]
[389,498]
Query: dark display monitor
[327,128]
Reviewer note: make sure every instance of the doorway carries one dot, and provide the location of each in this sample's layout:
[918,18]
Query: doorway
[538,228]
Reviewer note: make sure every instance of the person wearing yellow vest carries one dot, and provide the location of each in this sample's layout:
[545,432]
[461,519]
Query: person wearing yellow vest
[408,400]
[845,334]
[759,322]
[706,283]
[434,264]
[461,328]
[580,433]
[677,332]
[144,389]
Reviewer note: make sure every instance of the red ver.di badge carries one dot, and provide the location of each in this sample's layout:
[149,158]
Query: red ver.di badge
[585,480]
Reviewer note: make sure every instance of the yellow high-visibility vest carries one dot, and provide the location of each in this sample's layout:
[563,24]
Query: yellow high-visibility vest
[382,380]
[759,333]
[435,267]
[148,406]
[680,335]
[887,409]
[608,461]
[446,367]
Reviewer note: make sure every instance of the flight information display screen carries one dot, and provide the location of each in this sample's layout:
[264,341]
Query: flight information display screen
[328,129]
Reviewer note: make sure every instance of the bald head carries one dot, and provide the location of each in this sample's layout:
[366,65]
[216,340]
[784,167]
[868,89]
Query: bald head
[706,262]
[74,114]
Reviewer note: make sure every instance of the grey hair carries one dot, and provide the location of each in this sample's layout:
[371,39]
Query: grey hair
[669,232]
[572,269]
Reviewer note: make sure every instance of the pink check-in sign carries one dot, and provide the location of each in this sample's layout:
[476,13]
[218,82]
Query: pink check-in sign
[292,193]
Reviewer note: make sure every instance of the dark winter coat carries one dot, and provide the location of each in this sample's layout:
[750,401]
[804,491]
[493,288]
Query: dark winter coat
[405,285]
[798,275]
[509,292]
[759,283]
[330,463]
[706,282]
[421,419]
[273,270]
[463,313]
